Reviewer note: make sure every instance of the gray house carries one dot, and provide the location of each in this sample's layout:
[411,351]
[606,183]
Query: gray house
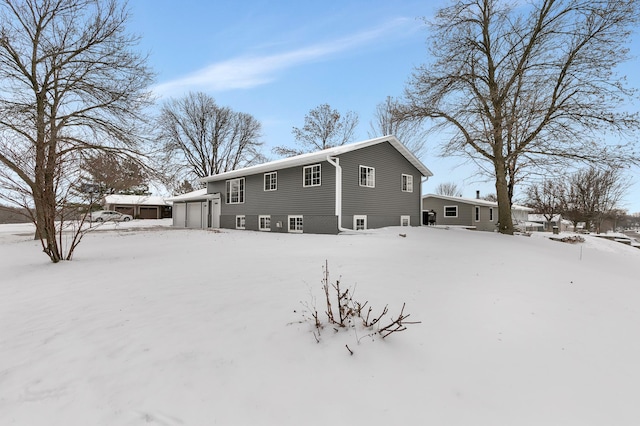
[369,184]
[473,213]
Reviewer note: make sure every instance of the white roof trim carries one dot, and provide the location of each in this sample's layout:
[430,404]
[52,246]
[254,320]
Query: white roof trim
[304,159]
[141,200]
[474,201]
[197,195]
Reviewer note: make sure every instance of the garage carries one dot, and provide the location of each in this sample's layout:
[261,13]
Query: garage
[194,215]
[138,206]
[196,210]
[179,215]
[125,210]
[148,213]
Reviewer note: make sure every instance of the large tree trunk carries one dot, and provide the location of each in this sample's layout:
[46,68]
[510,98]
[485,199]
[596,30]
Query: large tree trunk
[44,194]
[505,222]
[45,206]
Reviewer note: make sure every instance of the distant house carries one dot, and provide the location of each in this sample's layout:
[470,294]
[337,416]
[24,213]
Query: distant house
[473,213]
[548,225]
[138,206]
[369,184]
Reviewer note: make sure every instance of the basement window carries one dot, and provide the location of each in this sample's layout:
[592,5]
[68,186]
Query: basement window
[295,224]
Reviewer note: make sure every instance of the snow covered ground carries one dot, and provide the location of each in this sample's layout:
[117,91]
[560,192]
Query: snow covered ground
[185,327]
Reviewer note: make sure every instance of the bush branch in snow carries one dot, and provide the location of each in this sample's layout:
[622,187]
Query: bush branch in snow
[351,314]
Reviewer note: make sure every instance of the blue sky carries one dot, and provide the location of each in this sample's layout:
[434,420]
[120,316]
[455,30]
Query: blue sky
[276,60]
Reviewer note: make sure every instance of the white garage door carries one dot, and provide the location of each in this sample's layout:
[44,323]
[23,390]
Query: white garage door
[194,215]
[179,213]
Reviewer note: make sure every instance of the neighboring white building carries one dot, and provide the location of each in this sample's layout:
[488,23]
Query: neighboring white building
[548,225]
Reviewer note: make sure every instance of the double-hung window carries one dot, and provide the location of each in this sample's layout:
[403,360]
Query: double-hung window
[367,176]
[450,211]
[271,181]
[477,213]
[235,191]
[311,175]
[407,183]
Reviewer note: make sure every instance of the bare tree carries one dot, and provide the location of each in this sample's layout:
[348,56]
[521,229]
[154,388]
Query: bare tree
[594,194]
[387,121]
[528,86]
[449,188]
[547,198]
[71,84]
[490,197]
[324,127]
[201,138]
[114,174]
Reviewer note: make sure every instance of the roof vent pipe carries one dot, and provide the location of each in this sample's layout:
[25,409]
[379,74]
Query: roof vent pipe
[477,195]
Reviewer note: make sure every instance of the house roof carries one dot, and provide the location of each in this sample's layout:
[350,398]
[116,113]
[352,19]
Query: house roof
[135,200]
[312,157]
[474,201]
[198,194]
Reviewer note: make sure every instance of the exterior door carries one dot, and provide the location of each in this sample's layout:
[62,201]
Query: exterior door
[214,212]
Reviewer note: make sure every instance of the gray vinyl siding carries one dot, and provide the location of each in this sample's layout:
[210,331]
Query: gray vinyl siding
[386,202]
[312,224]
[315,203]
[383,204]
[466,214]
[291,198]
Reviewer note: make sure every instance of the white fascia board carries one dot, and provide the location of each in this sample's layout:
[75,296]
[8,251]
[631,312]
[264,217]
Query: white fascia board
[318,156]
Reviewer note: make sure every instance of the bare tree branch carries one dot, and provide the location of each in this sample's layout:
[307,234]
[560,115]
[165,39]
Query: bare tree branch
[72,83]
[528,87]
[324,127]
[201,138]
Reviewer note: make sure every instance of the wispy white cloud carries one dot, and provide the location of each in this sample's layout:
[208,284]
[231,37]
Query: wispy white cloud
[249,71]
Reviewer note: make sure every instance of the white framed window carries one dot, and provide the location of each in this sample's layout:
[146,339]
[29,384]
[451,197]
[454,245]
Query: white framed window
[359,222]
[295,223]
[240,222]
[264,223]
[235,191]
[367,176]
[490,214]
[477,213]
[407,183]
[271,181]
[405,220]
[450,211]
[311,175]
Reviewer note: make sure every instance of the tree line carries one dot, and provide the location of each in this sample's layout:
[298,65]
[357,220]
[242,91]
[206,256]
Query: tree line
[518,89]
[590,196]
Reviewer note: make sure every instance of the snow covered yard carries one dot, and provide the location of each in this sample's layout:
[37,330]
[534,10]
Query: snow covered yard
[186,327]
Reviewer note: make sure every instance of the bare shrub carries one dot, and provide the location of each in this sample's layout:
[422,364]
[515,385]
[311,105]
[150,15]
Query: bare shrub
[343,312]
